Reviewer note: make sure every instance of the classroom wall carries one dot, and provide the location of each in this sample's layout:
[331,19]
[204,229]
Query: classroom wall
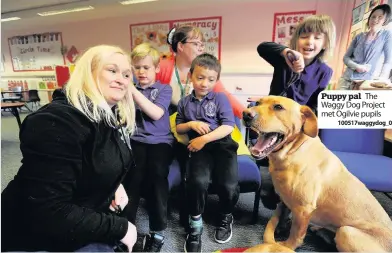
[244,26]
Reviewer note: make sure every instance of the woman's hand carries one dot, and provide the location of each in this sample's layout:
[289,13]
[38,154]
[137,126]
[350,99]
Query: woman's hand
[120,199]
[200,127]
[130,237]
[362,69]
[294,59]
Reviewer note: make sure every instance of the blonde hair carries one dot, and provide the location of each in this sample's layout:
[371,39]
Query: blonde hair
[143,50]
[84,93]
[317,24]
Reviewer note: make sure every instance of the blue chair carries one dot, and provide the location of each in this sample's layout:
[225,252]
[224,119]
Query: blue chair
[361,151]
[249,180]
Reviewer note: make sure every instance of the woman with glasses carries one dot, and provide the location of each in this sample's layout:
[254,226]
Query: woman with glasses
[364,52]
[187,42]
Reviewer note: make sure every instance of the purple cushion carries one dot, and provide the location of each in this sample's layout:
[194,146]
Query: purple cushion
[375,171]
[364,141]
[174,176]
[248,174]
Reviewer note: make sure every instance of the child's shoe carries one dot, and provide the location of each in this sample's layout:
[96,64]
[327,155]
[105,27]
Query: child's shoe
[224,231]
[153,242]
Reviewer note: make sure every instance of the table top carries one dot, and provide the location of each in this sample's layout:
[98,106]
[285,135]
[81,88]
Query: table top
[9,105]
[366,85]
[11,91]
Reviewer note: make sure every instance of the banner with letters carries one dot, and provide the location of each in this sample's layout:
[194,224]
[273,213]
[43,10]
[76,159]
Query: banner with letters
[36,52]
[156,34]
[285,25]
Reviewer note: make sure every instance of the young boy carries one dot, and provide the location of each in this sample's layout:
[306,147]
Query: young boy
[151,145]
[208,120]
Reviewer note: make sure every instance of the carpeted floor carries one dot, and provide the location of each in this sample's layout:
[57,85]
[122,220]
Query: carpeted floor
[244,233]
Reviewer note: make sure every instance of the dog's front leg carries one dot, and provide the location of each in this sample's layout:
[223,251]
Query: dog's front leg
[301,218]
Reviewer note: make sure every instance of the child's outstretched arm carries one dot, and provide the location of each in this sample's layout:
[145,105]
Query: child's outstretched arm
[156,109]
[272,53]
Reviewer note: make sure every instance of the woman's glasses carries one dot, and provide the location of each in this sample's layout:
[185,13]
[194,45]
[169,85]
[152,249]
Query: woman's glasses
[198,44]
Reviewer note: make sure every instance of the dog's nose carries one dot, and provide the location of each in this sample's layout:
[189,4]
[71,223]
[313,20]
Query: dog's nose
[248,118]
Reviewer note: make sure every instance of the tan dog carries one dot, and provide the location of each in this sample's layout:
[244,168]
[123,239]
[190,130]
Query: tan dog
[313,182]
[270,244]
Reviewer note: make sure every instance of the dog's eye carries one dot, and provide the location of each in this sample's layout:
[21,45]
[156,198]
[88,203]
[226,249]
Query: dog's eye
[278,107]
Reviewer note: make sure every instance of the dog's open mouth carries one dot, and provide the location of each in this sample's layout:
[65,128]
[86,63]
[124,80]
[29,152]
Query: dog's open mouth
[266,143]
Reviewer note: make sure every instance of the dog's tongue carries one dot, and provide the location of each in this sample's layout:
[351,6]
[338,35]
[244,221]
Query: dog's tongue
[263,142]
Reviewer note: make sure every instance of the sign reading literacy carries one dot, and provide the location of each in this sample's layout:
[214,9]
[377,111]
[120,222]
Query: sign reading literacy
[156,34]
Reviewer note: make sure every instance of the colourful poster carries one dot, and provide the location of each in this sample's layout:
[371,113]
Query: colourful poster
[156,34]
[36,52]
[211,29]
[285,25]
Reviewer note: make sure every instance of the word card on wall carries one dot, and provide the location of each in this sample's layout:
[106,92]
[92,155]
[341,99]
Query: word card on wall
[156,34]
[285,25]
[36,52]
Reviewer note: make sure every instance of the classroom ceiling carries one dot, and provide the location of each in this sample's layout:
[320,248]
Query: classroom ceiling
[27,10]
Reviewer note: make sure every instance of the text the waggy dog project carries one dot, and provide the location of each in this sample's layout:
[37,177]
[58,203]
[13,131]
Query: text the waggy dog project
[355,109]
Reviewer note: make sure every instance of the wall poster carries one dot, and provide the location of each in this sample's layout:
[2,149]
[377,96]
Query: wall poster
[285,25]
[156,34]
[36,52]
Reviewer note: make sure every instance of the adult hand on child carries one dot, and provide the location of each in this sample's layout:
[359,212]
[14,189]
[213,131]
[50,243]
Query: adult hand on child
[200,127]
[120,199]
[294,59]
[196,144]
[130,237]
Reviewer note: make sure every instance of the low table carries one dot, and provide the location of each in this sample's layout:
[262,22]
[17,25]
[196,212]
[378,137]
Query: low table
[14,110]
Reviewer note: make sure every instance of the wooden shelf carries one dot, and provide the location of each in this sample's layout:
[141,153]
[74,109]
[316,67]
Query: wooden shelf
[28,74]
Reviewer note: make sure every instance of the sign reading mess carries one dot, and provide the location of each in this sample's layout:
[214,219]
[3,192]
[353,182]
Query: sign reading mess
[156,34]
[285,25]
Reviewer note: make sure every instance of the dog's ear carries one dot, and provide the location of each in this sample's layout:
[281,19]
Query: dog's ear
[309,127]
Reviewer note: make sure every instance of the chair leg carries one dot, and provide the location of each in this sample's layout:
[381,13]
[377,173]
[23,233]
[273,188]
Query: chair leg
[388,195]
[256,206]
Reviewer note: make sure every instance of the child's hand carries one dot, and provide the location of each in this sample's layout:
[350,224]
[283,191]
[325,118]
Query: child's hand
[196,144]
[200,127]
[295,61]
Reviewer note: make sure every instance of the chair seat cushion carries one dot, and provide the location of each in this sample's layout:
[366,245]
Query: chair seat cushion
[174,176]
[248,174]
[375,171]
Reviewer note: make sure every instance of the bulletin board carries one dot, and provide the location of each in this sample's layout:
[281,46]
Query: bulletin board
[360,15]
[285,24]
[36,52]
[156,34]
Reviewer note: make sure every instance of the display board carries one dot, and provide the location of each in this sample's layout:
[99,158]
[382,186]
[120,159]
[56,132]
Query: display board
[36,52]
[156,34]
[285,25]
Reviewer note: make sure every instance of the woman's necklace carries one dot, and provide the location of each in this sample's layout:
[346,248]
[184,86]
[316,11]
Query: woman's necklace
[180,82]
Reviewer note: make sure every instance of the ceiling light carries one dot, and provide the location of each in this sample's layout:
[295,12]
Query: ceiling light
[135,1]
[49,13]
[9,19]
